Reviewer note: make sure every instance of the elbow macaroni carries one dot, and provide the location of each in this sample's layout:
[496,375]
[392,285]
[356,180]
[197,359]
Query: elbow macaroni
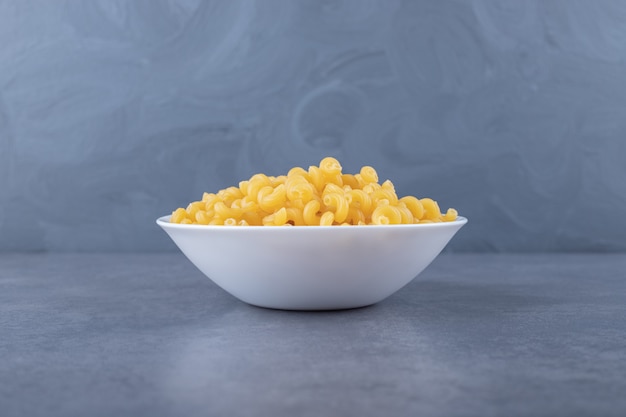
[319,196]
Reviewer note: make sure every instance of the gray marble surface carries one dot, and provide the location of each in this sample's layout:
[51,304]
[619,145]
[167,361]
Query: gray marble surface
[474,335]
[116,112]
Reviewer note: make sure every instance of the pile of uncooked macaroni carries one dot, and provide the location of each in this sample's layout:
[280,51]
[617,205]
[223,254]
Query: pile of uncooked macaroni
[319,196]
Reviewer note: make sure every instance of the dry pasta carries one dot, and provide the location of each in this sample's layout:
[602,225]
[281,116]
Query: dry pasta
[319,196]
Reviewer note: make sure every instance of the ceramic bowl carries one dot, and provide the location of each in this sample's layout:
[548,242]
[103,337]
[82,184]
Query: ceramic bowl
[311,267]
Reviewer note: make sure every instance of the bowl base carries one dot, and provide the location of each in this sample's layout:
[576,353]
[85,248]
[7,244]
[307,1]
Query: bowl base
[311,310]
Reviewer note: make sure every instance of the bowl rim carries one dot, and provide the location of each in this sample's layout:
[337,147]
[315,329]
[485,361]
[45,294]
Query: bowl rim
[163,221]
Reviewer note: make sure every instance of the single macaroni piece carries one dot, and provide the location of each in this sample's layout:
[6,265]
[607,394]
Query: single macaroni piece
[319,196]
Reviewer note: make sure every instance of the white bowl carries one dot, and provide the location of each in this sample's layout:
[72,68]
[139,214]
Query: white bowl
[311,267]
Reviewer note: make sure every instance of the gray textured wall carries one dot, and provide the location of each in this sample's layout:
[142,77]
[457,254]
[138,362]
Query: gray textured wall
[115,112]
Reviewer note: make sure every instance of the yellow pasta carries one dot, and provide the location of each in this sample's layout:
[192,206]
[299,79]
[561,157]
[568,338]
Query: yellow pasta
[405,214]
[279,218]
[202,217]
[225,212]
[327,219]
[330,167]
[414,205]
[431,208]
[310,213]
[355,216]
[386,214]
[361,199]
[350,181]
[316,177]
[295,216]
[386,194]
[297,172]
[299,188]
[369,175]
[229,194]
[320,196]
[253,218]
[179,215]
[338,205]
[272,199]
